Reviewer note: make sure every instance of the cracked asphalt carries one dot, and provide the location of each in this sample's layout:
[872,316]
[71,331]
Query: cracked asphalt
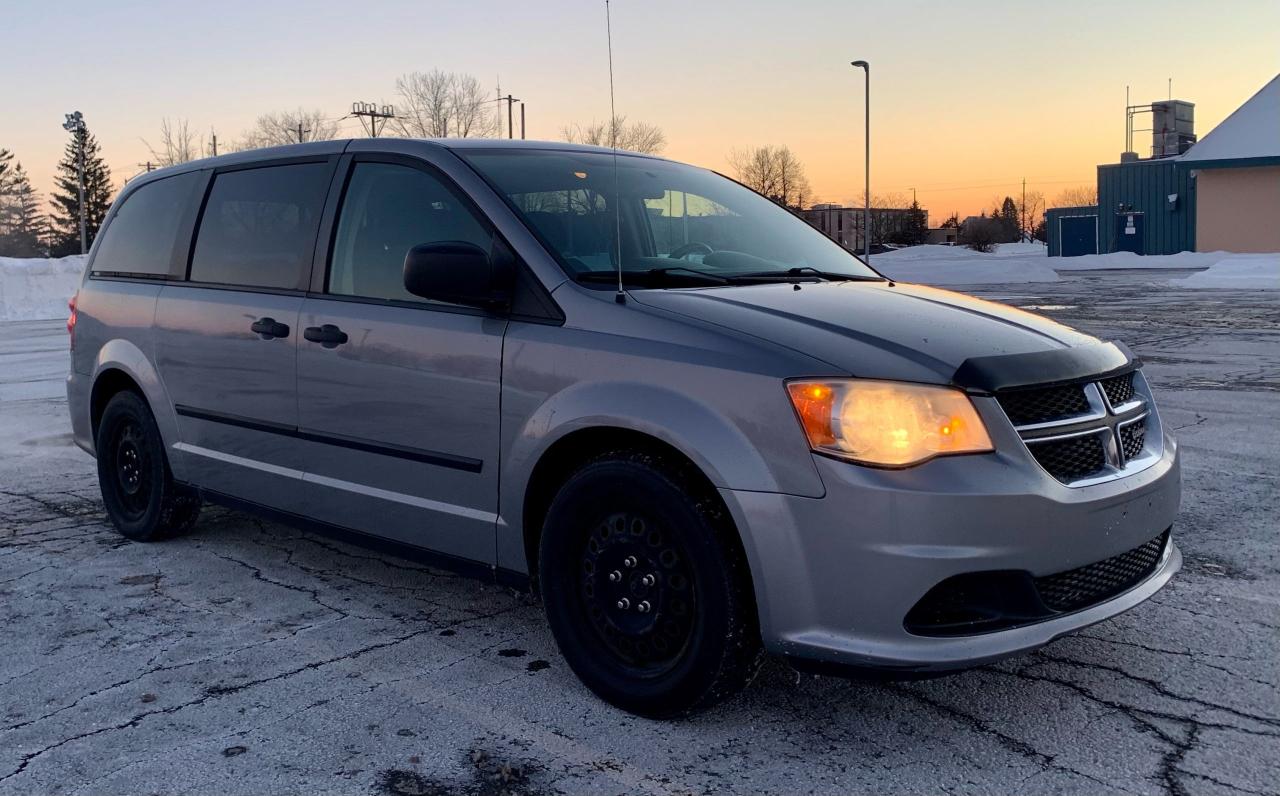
[247,657]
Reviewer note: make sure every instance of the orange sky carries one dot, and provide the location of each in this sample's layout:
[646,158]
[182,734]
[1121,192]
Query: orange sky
[967,100]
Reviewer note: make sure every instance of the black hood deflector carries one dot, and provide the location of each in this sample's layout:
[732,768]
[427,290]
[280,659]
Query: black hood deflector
[1044,368]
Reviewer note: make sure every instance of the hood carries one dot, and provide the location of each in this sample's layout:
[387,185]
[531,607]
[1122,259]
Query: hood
[894,331]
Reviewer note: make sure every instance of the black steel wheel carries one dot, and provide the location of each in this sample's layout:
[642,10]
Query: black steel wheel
[646,587]
[138,490]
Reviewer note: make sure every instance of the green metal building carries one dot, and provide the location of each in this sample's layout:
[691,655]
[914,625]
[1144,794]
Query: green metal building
[1144,206]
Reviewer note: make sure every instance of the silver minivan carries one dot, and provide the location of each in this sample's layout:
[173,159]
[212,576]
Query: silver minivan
[696,427]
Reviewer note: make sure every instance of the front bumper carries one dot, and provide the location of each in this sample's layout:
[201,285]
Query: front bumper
[836,576]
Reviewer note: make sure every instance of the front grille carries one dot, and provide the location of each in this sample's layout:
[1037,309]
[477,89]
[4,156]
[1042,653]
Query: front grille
[1072,458]
[1119,389]
[1040,405]
[1132,438]
[983,602]
[1087,431]
[1088,585]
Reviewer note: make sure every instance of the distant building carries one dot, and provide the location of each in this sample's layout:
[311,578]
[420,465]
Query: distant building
[844,224]
[1221,193]
[943,236]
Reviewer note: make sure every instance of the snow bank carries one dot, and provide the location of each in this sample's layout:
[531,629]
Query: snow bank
[1012,263]
[1240,272]
[953,265]
[33,289]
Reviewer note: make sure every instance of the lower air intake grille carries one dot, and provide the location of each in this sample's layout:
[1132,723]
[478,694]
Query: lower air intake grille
[984,602]
[1091,584]
[1071,458]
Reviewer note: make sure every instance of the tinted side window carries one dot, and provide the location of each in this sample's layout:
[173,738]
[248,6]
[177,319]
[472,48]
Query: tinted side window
[386,211]
[259,226]
[141,236]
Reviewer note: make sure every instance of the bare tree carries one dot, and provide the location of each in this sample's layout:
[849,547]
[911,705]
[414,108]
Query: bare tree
[1079,196]
[439,104]
[473,115]
[773,171]
[1029,213]
[884,225]
[642,137]
[288,127]
[981,234]
[177,143]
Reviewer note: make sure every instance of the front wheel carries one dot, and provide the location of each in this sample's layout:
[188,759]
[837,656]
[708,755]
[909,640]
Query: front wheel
[645,588]
[140,495]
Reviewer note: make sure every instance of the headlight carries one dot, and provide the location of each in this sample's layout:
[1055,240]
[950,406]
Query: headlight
[887,423]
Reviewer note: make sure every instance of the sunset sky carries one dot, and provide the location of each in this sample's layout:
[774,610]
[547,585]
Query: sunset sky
[967,99]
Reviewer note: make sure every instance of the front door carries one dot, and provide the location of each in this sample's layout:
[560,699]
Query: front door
[226,340]
[398,396]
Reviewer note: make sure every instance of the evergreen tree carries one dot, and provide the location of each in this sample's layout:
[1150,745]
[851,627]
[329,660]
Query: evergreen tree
[22,225]
[64,227]
[1008,217]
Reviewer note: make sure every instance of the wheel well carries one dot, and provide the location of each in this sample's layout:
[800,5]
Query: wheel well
[567,454]
[108,383]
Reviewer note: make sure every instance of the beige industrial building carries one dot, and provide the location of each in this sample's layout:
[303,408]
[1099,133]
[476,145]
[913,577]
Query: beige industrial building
[1236,169]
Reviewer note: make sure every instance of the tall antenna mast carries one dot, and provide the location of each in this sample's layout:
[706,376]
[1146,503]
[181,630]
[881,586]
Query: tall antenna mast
[620,296]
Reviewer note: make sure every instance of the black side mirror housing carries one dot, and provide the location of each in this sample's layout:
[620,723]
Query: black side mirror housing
[458,272]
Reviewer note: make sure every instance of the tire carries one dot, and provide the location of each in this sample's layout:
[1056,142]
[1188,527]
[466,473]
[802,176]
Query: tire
[646,588]
[138,490]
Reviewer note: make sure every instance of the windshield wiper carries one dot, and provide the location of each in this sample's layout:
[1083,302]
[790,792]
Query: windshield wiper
[808,270]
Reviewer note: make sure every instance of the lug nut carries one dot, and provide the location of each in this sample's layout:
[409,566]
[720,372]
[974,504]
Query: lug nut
[629,561]
[615,576]
[624,604]
[643,607]
[648,580]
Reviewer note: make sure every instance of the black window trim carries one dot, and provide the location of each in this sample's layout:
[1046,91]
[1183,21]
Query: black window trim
[323,264]
[185,230]
[305,277]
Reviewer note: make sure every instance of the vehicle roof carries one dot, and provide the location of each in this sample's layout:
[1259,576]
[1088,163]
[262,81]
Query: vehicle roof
[339,145]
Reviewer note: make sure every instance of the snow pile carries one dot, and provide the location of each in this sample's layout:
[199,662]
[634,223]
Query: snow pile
[1240,271]
[953,265]
[34,289]
[1102,262]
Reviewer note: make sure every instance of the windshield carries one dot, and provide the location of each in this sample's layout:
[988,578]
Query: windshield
[682,223]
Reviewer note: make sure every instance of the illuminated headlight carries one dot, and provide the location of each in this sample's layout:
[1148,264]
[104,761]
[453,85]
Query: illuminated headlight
[887,423]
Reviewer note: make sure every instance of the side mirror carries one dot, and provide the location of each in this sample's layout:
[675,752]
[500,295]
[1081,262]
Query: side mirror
[459,273]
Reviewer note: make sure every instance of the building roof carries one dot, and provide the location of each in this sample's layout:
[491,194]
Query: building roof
[1251,133]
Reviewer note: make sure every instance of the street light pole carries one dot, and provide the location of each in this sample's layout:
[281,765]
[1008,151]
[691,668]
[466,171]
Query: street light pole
[866,211]
[74,124]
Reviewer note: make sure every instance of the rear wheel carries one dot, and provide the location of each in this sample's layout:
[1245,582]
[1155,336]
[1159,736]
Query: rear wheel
[138,490]
[645,589]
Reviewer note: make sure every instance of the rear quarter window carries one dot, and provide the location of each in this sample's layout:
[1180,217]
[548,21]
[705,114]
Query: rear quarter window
[259,226]
[142,234]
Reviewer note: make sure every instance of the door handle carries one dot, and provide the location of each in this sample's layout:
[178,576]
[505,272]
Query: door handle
[269,328]
[328,335]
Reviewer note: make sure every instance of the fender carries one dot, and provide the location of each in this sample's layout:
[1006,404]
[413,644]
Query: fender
[125,356]
[721,450]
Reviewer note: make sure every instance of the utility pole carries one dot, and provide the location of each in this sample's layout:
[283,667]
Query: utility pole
[375,114]
[74,124]
[511,130]
[213,147]
[301,131]
[1024,207]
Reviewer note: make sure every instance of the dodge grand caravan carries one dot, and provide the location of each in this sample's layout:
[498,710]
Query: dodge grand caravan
[698,428]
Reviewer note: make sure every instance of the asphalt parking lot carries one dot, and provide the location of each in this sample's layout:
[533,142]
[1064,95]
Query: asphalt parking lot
[252,658]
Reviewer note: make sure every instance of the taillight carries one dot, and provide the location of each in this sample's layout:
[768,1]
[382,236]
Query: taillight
[71,320]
